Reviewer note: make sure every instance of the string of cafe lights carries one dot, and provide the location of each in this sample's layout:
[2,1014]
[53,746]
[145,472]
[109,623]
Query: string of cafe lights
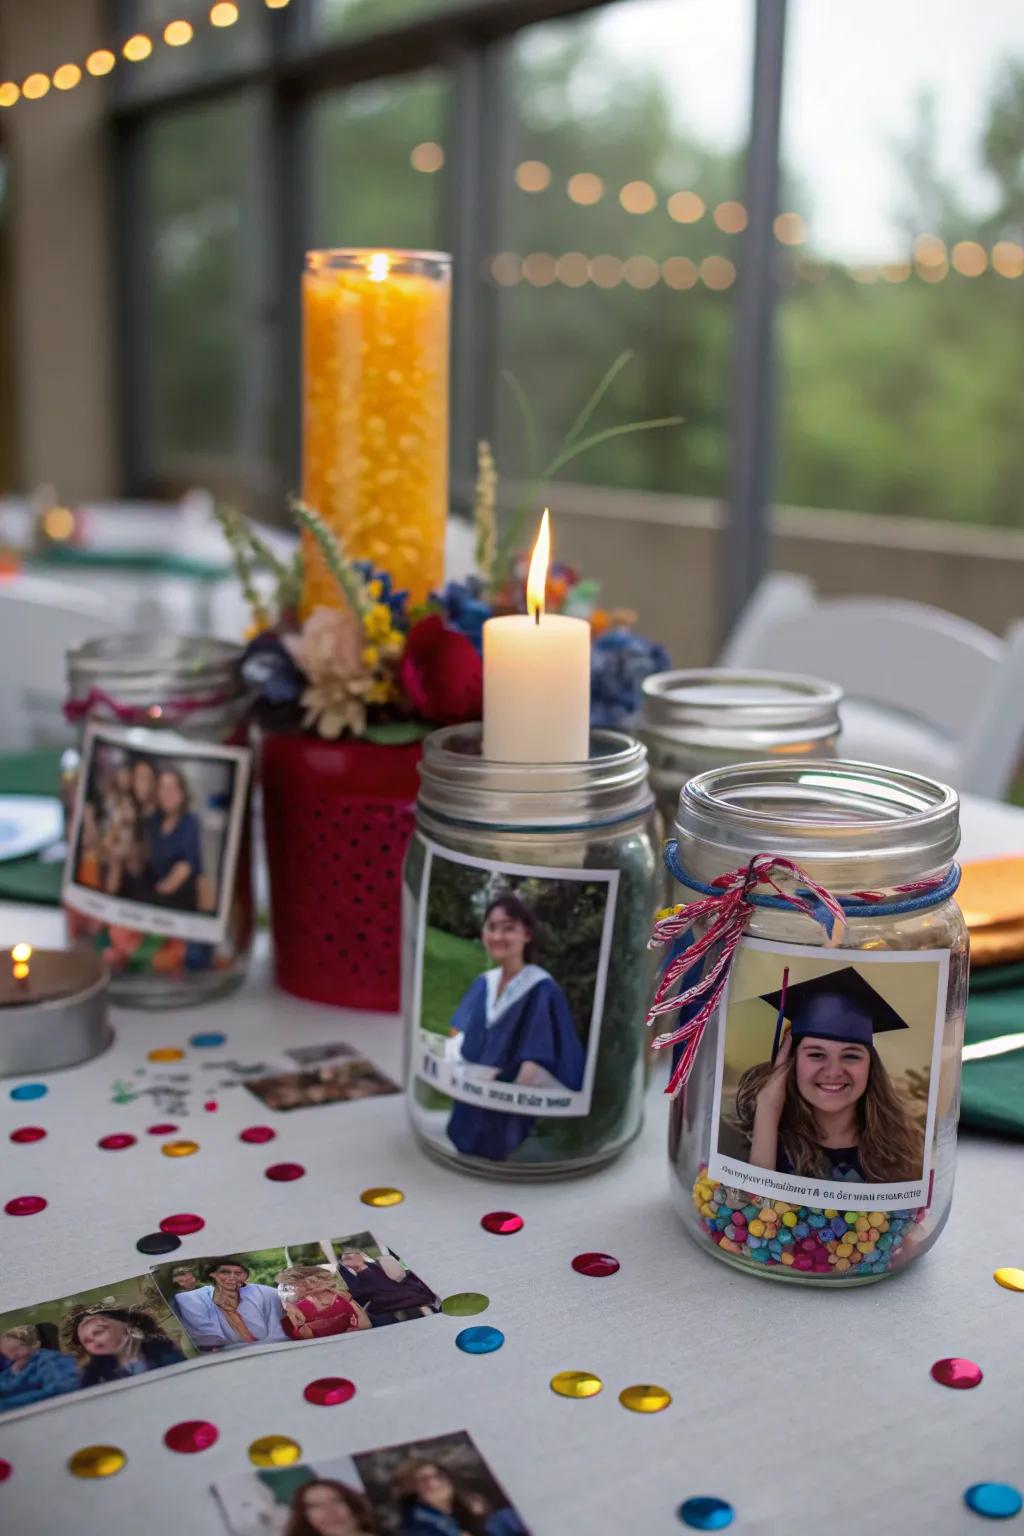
[133,50]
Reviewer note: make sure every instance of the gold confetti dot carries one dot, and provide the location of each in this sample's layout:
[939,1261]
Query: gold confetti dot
[165,1053]
[382,1196]
[645,1398]
[274,1451]
[1011,1279]
[97,1461]
[576,1384]
[179,1148]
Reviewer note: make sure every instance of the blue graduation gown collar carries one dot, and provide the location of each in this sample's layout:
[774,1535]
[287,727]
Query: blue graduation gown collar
[524,981]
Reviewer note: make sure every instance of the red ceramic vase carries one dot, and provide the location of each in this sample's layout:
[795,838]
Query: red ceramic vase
[338,817]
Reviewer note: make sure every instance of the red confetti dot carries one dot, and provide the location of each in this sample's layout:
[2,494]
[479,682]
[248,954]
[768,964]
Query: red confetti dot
[283,1173]
[596,1264]
[181,1224]
[328,1391]
[955,1372]
[25,1205]
[191,1435]
[502,1222]
[210,1105]
[257,1133]
[163,1129]
[117,1142]
[26,1133]
[5,1470]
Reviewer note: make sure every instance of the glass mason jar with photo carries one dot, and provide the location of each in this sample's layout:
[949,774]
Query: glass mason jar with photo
[158,877]
[528,896]
[814,1138]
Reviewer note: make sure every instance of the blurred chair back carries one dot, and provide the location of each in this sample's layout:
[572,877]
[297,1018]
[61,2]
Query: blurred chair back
[925,690]
[40,621]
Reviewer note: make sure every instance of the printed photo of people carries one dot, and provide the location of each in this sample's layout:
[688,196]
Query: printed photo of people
[511,969]
[437,1486]
[377,1279]
[112,1333]
[155,832]
[337,1082]
[828,1071]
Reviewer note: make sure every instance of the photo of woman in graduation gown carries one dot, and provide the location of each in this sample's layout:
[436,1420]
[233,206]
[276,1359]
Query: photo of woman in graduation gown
[513,1025]
[825,1106]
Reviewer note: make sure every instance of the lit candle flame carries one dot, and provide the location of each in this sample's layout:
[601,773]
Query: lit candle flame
[21,972]
[379,266]
[536,581]
[21,954]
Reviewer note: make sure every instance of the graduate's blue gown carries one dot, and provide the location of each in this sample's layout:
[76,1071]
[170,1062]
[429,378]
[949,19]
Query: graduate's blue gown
[537,1027]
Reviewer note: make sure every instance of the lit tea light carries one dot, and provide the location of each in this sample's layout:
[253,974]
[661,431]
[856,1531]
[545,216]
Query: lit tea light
[53,1011]
[21,954]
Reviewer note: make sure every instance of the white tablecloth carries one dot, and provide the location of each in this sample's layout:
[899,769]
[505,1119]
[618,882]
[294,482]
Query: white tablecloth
[807,1409]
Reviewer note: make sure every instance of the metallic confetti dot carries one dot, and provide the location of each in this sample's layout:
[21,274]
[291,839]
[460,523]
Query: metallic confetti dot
[27,1133]
[158,1242]
[329,1391]
[502,1223]
[706,1514]
[97,1461]
[257,1133]
[165,1128]
[955,1372]
[209,1040]
[382,1195]
[25,1205]
[576,1384]
[645,1398]
[117,1142]
[5,1470]
[465,1304]
[274,1451]
[182,1224]
[165,1053]
[596,1264]
[483,1340]
[1010,1278]
[996,1501]
[191,1435]
[210,1106]
[29,1091]
[179,1148]
[283,1173]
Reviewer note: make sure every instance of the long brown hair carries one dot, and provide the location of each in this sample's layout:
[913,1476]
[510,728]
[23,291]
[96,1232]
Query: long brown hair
[298,1521]
[406,1488]
[890,1146]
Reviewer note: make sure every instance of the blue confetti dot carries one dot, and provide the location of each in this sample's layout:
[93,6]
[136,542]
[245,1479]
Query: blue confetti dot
[483,1340]
[706,1514]
[30,1091]
[213,1037]
[995,1501]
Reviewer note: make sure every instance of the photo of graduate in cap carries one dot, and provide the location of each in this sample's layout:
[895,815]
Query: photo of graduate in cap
[824,1105]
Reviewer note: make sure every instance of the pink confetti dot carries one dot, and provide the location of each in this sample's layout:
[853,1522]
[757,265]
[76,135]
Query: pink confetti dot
[5,1470]
[329,1391]
[956,1372]
[257,1134]
[210,1105]
[163,1129]
[502,1223]
[25,1205]
[191,1435]
[27,1133]
[181,1224]
[117,1142]
[283,1173]
[597,1265]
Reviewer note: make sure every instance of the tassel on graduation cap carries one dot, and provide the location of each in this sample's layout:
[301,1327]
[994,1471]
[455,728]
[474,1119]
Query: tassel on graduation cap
[782,1015]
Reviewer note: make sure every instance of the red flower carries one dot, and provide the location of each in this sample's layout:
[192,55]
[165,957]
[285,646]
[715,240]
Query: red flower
[441,673]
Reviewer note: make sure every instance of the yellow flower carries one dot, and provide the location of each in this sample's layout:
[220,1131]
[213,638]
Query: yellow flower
[377,622]
[374,589]
[370,657]
[380,692]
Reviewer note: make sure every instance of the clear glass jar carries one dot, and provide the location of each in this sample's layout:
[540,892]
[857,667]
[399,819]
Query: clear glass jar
[851,828]
[170,701]
[586,830]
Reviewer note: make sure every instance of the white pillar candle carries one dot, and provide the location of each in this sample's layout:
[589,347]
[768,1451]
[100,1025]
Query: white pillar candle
[537,680]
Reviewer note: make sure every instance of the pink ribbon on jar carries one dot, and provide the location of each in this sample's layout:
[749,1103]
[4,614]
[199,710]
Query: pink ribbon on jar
[131,714]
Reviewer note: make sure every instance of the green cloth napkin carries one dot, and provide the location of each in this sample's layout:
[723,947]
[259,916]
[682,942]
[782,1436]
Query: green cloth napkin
[29,879]
[151,562]
[993,1088]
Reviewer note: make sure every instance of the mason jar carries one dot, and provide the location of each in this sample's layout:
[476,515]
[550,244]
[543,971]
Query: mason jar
[158,878]
[815,1138]
[529,890]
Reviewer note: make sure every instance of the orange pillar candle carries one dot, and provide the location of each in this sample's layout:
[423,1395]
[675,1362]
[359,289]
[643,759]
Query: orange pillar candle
[375,413]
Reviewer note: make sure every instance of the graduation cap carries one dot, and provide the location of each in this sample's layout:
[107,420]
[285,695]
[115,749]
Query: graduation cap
[838,1006]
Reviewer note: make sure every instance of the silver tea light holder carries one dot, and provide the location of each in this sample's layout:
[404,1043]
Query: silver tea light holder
[53,1009]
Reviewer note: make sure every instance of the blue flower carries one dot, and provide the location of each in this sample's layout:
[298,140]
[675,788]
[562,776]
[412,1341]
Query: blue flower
[396,601]
[465,608]
[270,672]
[619,662]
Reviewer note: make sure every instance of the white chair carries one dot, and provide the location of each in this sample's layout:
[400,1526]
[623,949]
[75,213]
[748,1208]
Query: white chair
[40,621]
[925,690]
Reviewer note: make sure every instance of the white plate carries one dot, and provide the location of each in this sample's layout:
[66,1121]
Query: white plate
[28,823]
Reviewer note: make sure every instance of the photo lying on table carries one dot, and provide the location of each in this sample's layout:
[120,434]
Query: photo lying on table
[113,1333]
[828,1075]
[437,1486]
[155,834]
[509,988]
[337,1082]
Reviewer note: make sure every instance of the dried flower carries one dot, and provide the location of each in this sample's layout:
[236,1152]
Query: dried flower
[328,650]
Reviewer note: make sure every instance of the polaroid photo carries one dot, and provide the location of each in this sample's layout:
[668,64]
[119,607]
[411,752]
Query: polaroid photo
[827,1074]
[508,995]
[155,832]
[340,1082]
[439,1485]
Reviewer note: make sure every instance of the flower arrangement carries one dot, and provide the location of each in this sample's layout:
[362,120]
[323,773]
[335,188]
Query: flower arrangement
[378,669]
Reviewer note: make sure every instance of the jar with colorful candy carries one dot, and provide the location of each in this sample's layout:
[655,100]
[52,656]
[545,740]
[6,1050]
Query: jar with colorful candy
[814,1006]
[158,877]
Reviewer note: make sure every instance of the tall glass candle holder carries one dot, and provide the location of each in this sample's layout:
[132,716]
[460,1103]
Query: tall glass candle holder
[375,412]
